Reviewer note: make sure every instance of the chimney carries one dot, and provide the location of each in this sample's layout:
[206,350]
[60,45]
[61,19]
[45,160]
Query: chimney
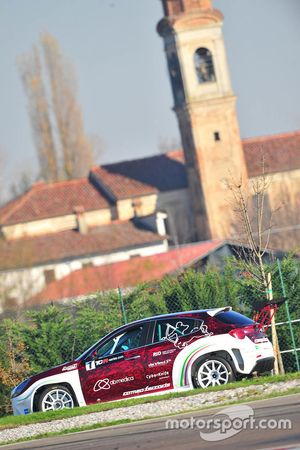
[161,218]
[80,220]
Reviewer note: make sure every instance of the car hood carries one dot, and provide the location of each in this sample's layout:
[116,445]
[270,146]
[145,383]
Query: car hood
[65,367]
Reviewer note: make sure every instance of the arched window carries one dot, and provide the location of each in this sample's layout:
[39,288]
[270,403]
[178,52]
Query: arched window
[204,65]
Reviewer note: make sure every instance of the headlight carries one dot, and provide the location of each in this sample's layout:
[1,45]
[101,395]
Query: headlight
[20,388]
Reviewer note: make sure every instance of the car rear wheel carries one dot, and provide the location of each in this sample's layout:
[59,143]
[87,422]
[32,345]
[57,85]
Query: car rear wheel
[54,398]
[212,371]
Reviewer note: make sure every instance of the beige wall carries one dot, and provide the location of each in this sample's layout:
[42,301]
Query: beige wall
[55,224]
[18,285]
[137,206]
[177,205]
[284,201]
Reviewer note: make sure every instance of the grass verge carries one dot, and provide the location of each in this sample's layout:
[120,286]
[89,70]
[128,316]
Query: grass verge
[16,421]
[126,421]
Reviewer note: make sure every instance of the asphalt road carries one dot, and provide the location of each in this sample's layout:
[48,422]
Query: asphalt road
[152,434]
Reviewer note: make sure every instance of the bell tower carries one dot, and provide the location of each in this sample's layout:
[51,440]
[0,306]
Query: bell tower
[204,104]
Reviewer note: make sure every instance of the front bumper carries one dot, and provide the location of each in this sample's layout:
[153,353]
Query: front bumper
[21,405]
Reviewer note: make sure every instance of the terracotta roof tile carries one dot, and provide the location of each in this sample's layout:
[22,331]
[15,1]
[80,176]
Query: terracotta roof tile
[52,200]
[69,244]
[158,173]
[281,151]
[126,273]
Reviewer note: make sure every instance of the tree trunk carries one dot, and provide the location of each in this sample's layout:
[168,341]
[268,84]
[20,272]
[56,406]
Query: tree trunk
[278,364]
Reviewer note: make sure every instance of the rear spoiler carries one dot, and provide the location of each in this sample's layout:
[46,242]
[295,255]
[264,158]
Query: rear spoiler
[264,311]
[214,312]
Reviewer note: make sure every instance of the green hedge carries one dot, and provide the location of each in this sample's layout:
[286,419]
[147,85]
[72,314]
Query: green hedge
[39,339]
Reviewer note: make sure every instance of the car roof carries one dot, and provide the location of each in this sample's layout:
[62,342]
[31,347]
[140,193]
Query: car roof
[211,311]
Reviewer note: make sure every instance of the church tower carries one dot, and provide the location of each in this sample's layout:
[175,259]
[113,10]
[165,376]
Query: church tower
[206,111]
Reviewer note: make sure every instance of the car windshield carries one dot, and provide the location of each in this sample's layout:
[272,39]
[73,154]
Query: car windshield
[121,343]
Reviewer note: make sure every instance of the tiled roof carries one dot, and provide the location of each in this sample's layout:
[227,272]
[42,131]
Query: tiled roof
[45,200]
[167,172]
[158,173]
[281,152]
[126,273]
[30,251]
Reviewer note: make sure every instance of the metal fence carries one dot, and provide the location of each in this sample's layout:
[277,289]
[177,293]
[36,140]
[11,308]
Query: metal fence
[289,344]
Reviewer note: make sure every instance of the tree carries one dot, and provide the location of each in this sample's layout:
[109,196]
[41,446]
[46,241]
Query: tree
[14,364]
[254,225]
[64,151]
[39,113]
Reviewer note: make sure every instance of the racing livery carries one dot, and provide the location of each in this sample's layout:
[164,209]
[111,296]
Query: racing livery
[170,352]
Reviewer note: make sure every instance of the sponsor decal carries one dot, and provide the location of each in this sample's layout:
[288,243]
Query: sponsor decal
[106,383]
[156,375]
[164,352]
[173,334]
[91,365]
[102,384]
[71,367]
[146,389]
[261,340]
[159,363]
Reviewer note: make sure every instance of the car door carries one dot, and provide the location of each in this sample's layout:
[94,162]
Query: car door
[116,368]
[169,337]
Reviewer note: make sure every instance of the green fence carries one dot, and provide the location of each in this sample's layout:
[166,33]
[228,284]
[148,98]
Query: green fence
[32,341]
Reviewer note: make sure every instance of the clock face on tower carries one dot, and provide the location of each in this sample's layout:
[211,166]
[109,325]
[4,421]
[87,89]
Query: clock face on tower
[176,79]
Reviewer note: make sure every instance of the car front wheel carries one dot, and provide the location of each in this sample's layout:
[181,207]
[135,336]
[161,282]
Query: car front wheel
[54,398]
[212,371]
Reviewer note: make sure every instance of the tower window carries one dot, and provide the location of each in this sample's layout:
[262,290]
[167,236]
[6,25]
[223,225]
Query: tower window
[204,65]
[217,136]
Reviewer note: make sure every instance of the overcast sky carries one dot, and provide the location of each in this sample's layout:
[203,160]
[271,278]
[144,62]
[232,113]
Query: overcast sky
[120,65]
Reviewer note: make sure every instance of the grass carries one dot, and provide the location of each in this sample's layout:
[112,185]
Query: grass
[40,417]
[126,421]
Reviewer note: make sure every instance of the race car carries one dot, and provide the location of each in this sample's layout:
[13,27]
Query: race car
[171,352]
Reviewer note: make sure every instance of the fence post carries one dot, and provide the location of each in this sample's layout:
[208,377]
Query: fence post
[122,305]
[288,315]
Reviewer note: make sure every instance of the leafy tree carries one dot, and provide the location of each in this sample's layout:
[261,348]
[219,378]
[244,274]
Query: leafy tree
[47,337]
[14,364]
[144,302]
[93,319]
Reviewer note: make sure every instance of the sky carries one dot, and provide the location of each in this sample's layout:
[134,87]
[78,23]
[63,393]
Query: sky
[123,85]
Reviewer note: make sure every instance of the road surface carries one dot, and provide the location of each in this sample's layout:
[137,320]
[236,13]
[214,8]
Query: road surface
[153,435]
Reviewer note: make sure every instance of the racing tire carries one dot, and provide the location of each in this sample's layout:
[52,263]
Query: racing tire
[54,398]
[212,371]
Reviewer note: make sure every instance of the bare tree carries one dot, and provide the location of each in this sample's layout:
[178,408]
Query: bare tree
[167,144]
[63,148]
[31,72]
[21,184]
[1,173]
[75,147]
[254,222]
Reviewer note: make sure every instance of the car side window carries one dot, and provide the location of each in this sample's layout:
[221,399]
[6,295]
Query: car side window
[122,342]
[171,329]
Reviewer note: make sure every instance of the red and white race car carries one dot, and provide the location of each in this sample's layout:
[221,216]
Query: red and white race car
[163,353]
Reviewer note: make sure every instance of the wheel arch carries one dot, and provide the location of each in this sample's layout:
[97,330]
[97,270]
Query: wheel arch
[222,353]
[42,388]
